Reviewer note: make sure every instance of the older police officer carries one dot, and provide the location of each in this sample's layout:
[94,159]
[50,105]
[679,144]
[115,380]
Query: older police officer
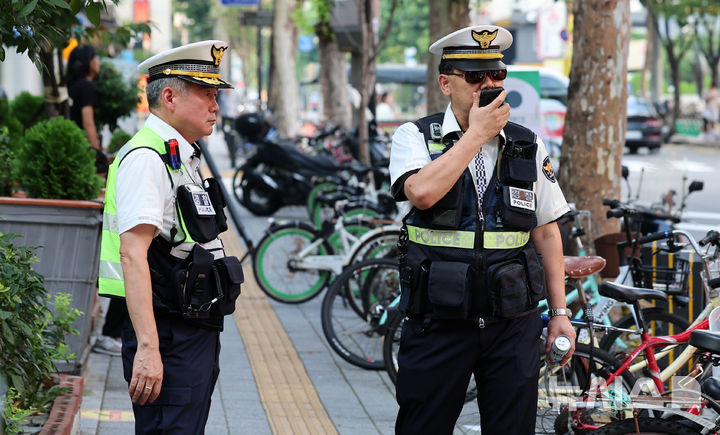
[160,250]
[484,203]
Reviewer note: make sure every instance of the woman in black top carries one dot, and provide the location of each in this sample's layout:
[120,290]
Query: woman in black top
[83,66]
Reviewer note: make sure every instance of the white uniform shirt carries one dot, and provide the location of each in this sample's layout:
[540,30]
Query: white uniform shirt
[409,152]
[144,193]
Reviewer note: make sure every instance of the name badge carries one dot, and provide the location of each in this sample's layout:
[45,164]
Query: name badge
[522,198]
[201,200]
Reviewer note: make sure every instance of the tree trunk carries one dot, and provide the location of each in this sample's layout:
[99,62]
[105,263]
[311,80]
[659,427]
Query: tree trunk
[333,82]
[445,16]
[595,122]
[283,96]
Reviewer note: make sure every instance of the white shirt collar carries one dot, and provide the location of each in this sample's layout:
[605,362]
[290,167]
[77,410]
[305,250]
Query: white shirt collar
[167,132]
[450,124]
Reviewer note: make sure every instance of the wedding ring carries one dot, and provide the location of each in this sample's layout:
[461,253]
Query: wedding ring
[148,388]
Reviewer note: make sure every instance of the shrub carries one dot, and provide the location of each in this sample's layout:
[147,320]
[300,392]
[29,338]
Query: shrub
[55,161]
[6,162]
[118,139]
[116,97]
[28,109]
[15,128]
[31,337]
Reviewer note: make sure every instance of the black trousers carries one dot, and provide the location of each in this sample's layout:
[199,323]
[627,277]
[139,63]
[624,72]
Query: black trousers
[115,318]
[435,364]
[190,358]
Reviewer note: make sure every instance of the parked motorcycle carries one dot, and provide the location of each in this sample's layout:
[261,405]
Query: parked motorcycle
[277,174]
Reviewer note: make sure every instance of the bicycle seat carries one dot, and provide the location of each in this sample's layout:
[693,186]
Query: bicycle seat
[578,267]
[624,293]
[705,340]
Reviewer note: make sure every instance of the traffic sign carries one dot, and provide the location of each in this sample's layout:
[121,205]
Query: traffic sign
[240,2]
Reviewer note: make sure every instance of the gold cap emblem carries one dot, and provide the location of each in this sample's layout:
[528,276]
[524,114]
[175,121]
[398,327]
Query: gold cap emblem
[484,38]
[217,54]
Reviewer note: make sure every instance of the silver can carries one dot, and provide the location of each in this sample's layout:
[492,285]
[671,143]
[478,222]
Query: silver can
[560,347]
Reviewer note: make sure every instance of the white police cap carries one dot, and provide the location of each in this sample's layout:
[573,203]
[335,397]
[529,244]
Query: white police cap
[474,48]
[197,63]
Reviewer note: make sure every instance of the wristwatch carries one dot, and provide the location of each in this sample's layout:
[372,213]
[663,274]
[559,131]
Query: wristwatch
[559,312]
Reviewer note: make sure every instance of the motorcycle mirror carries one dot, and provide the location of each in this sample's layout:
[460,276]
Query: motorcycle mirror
[625,171]
[695,186]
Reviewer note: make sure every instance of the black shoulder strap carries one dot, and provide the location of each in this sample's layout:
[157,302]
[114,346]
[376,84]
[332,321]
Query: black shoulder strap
[517,133]
[423,124]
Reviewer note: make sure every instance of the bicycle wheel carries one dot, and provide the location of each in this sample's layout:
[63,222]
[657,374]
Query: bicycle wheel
[648,425]
[354,226]
[660,323]
[382,243]
[560,386]
[391,343]
[314,192]
[273,263]
[357,337]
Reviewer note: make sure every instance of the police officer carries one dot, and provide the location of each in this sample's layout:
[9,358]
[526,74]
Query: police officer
[160,249]
[484,203]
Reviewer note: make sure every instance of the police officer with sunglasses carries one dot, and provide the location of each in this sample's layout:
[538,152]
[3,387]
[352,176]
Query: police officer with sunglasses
[480,247]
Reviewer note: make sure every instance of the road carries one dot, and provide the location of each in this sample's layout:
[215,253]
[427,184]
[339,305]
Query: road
[653,175]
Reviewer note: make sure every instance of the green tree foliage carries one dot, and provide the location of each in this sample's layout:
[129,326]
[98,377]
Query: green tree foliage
[56,161]
[201,23]
[116,97]
[707,16]
[35,25]
[14,127]
[31,336]
[6,162]
[409,29]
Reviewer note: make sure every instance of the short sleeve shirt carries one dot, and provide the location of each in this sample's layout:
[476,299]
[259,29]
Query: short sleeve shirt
[409,153]
[82,93]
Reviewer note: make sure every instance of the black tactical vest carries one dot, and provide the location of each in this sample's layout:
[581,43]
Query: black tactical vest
[455,265]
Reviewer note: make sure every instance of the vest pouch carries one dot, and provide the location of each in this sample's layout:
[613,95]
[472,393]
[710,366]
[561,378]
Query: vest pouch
[447,289]
[447,212]
[536,278]
[195,283]
[218,201]
[519,205]
[509,289]
[519,163]
[197,211]
[230,275]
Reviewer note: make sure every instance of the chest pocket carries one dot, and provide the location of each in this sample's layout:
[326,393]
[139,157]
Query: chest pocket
[201,211]
[518,172]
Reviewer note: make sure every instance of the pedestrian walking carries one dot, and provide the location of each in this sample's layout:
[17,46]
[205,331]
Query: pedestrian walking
[480,248]
[160,248]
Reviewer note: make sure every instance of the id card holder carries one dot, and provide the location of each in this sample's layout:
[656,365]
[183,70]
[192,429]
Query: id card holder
[197,211]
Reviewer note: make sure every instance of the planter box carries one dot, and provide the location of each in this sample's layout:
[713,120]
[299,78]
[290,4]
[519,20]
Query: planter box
[64,418]
[68,233]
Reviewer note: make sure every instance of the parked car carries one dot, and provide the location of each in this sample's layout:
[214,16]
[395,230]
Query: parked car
[645,128]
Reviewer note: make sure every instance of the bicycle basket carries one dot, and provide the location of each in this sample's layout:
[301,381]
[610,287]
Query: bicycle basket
[673,280]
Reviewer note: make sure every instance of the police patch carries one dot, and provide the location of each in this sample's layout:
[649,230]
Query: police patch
[548,170]
[522,198]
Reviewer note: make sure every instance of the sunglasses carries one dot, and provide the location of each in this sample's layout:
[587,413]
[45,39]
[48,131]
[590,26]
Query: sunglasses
[474,77]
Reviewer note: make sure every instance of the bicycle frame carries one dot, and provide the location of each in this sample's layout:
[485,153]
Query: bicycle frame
[336,262]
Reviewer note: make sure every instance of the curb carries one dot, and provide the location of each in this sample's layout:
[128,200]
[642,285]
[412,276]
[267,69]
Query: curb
[64,416]
[695,141]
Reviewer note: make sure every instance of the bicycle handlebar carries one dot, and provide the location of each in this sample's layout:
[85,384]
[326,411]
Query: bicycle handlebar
[618,210]
[711,237]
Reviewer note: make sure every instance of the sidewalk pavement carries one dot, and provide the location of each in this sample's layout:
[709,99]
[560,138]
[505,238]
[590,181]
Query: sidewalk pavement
[701,140]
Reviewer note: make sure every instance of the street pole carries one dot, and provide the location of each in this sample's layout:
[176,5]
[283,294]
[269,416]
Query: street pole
[232,207]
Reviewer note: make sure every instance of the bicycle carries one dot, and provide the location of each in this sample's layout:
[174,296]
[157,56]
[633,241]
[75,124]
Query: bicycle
[589,364]
[680,422]
[293,262]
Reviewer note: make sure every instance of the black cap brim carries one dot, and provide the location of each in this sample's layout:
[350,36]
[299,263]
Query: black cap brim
[477,64]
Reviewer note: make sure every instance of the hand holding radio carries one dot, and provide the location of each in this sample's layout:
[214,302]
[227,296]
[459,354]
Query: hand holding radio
[488,113]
